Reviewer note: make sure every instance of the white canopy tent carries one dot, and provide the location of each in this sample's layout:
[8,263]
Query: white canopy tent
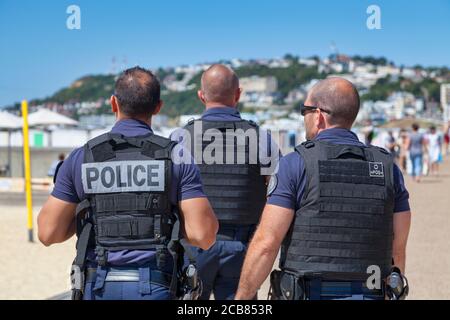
[48,120]
[9,123]
[45,117]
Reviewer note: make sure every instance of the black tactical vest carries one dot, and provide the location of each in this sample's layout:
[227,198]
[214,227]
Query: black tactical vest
[127,184]
[234,184]
[345,222]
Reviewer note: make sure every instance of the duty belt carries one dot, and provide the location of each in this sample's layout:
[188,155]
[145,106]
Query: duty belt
[235,233]
[318,289]
[130,275]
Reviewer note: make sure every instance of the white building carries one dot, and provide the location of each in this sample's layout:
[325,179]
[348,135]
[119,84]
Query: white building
[259,84]
[294,96]
[307,62]
[258,99]
[445,100]
[409,73]
[279,63]
[403,103]
[384,71]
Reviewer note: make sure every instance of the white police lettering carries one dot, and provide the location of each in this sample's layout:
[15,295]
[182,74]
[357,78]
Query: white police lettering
[376,169]
[123,176]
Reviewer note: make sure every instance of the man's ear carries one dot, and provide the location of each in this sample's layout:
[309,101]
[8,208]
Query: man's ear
[237,96]
[114,104]
[158,107]
[201,96]
[322,122]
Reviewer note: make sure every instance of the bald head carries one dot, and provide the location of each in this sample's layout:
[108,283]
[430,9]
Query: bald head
[340,97]
[220,85]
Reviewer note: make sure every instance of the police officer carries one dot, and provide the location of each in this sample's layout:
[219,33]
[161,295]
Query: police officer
[124,195]
[338,209]
[236,188]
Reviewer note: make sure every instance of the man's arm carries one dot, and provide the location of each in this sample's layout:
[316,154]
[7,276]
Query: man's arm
[263,249]
[402,219]
[402,223]
[56,221]
[200,222]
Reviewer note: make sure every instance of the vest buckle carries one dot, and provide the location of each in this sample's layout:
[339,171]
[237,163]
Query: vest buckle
[102,256]
[308,144]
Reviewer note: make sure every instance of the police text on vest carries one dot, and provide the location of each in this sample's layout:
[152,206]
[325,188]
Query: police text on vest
[123,176]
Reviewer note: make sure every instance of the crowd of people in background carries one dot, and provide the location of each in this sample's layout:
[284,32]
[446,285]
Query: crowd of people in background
[419,152]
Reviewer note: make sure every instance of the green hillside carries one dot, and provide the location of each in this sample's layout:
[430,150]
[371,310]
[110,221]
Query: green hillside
[96,87]
[89,88]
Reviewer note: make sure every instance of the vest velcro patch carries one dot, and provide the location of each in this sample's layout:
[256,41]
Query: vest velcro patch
[376,169]
[123,176]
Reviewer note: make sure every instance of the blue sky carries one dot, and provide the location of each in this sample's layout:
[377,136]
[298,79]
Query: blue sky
[39,55]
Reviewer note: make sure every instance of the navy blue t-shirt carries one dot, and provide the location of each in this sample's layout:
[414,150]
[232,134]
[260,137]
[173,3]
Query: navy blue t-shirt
[186,184]
[291,177]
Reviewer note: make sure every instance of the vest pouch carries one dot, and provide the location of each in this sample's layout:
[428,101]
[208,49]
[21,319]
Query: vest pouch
[116,231]
[275,290]
[285,286]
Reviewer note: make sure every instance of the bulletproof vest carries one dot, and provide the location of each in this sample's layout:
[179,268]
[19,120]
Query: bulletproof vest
[233,181]
[345,220]
[127,184]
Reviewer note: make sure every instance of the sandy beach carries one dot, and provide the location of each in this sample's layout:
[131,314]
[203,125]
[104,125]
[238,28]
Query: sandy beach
[32,271]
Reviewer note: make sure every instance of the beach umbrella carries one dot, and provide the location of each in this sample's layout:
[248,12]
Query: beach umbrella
[45,117]
[9,122]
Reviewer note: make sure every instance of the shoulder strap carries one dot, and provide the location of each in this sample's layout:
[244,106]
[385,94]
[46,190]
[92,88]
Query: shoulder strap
[101,148]
[310,152]
[158,147]
[98,149]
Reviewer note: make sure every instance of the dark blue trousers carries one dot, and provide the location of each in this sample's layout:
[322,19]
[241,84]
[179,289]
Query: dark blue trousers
[126,291]
[220,267]
[144,289]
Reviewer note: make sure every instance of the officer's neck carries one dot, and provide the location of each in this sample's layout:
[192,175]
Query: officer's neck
[145,119]
[210,105]
[332,127]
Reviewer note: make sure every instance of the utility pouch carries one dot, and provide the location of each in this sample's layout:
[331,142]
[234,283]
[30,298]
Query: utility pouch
[286,286]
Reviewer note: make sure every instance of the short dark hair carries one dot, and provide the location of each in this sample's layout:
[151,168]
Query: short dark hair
[138,92]
[415,126]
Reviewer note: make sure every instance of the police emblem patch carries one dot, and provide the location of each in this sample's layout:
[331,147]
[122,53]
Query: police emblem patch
[273,182]
[376,169]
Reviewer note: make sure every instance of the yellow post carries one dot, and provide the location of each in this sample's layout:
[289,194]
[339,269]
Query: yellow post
[27,163]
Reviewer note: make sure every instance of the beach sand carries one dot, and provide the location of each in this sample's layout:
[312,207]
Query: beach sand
[32,271]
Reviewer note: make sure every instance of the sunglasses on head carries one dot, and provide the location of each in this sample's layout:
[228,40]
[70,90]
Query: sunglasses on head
[304,108]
